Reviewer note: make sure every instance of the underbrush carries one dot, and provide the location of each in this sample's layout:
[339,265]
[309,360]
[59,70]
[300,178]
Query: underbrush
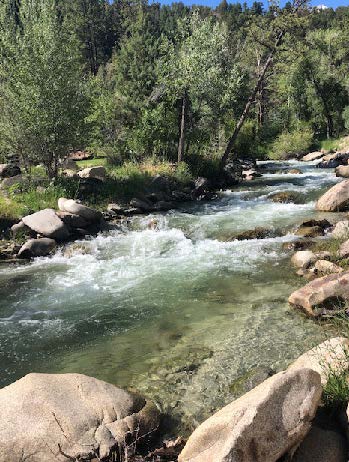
[122,184]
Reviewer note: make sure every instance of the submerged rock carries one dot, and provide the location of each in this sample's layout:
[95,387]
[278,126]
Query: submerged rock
[46,417]
[257,233]
[326,358]
[309,231]
[336,199]
[262,425]
[37,248]
[322,294]
[48,224]
[285,197]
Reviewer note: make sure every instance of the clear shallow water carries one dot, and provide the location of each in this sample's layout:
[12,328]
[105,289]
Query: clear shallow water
[179,313]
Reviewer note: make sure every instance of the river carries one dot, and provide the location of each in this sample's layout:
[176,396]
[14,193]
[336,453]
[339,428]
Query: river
[181,313]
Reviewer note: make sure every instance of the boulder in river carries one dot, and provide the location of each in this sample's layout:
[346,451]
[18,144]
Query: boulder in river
[330,356]
[263,425]
[313,156]
[256,233]
[46,417]
[37,248]
[285,197]
[47,223]
[310,231]
[334,160]
[342,171]
[336,199]
[75,208]
[323,295]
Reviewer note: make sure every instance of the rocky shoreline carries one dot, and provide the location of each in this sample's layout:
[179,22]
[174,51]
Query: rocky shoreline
[287,417]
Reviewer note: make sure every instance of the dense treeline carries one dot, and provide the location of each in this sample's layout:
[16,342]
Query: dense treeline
[130,80]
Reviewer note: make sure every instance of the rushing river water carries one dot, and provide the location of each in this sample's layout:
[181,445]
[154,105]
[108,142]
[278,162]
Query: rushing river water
[182,313]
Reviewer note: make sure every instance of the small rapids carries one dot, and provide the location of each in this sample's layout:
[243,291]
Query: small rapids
[183,313]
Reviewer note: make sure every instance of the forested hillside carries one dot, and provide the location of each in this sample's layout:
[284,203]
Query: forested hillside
[130,81]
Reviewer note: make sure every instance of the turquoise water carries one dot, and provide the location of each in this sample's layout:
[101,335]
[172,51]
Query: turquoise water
[178,313]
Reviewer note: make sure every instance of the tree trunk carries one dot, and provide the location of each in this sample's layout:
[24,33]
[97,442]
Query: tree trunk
[250,100]
[181,142]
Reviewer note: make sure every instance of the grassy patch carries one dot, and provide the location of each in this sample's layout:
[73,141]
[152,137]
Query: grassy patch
[95,162]
[10,209]
[336,391]
[334,144]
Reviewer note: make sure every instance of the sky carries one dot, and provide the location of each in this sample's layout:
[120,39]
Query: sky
[213,3]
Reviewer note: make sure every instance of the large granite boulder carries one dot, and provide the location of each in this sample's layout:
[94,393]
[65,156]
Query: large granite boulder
[313,156]
[334,160]
[47,223]
[322,445]
[37,248]
[53,417]
[330,356]
[322,295]
[75,208]
[336,199]
[262,425]
[342,171]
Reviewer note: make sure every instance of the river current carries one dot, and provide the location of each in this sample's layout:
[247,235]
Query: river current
[182,313]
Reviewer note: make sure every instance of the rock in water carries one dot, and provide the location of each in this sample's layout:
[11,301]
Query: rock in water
[37,248]
[336,199]
[342,171]
[331,355]
[60,417]
[262,425]
[322,293]
[313,156]
[47,223]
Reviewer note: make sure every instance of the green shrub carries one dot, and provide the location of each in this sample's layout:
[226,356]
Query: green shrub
[291,144]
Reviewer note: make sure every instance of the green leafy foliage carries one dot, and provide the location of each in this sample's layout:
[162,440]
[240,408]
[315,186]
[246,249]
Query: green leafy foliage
[291,144]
